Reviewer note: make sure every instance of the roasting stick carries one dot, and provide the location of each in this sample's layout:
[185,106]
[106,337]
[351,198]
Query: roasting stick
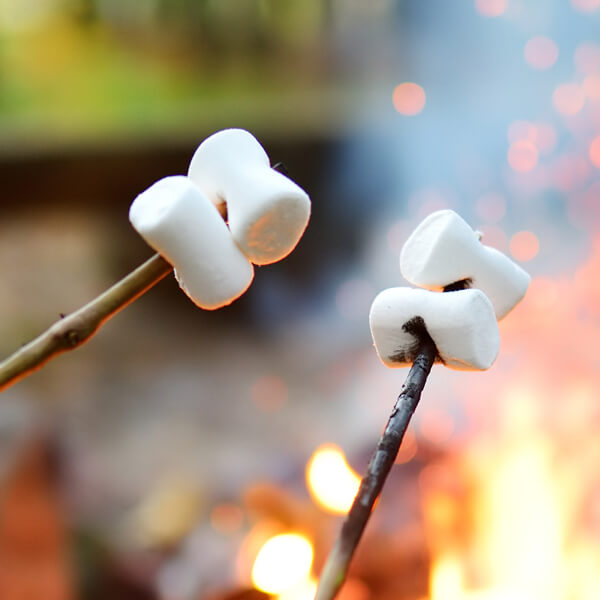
[336,567]
[266,214]
[75,329]
[414,328]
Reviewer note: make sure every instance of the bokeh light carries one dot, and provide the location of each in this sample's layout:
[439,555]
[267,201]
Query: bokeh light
[491,8]
[524,246]
[541,53]
[409,98]
[568,98]
[408,449]
[587,57]
[522,156]
[330,479]
[591,87]
[283,562]
[304,590]
[586,6]
[594,152]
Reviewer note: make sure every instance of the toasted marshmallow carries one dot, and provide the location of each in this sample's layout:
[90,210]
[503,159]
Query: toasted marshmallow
[180,223]
[266,211]
[444,250]
[462,325]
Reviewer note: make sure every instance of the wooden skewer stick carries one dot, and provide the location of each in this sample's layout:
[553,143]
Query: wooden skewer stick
[336,568]
[75,329]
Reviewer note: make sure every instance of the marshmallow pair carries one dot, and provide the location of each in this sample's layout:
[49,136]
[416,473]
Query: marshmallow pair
[443,250]
[445,254]
[267,214]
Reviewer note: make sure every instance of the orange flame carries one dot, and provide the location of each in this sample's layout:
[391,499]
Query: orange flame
[331,481]
[283,565]
[514,515]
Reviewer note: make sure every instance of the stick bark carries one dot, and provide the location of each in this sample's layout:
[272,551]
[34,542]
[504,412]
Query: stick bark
[76,328]
[336,568]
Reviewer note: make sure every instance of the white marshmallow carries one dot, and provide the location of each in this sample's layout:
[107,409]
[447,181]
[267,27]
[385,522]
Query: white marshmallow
[266,211]
[180,222]
[444,249]
[462,324]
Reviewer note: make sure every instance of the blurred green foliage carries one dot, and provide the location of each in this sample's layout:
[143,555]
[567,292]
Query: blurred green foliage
[129,67]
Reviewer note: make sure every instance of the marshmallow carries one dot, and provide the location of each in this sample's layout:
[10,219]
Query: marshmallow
[180,222]
[443,250]
[267,212]
[462,325]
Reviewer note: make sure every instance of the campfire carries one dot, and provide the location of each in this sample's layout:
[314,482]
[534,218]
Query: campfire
[495,497]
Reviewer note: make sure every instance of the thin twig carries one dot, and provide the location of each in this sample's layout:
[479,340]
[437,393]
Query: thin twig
[73,330]
[338,561]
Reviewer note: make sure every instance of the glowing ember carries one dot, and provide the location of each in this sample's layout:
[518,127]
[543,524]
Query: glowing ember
[491,8]
[409,98]
[524,246]
[331,481]
[283,563]
[568,99]
[541,53]
[522,156]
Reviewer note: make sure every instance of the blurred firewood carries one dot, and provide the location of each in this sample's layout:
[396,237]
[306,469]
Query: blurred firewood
[103,576]
[245,594]
[34,553]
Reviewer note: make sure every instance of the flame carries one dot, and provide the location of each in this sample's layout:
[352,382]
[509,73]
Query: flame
[304,590]
[283,564]
[331,481]
[515,513]
[522,541]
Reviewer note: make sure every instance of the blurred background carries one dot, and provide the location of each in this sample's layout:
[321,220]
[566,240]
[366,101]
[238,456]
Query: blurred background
[190,455]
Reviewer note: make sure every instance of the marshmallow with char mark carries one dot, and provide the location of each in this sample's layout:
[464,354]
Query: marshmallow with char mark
[462,324]
[444,249]
[180,222]
[266,211]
